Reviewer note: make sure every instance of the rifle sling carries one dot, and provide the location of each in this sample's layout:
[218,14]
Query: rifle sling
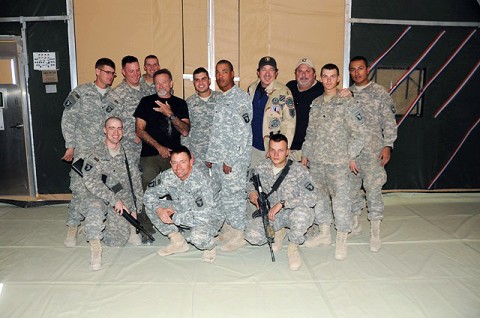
[280,179]
[130,180]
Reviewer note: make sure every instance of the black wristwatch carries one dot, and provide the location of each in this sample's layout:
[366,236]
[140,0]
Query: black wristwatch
[172,117]
[282,202]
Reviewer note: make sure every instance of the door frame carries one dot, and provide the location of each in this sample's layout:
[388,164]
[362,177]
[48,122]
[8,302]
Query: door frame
[19,72]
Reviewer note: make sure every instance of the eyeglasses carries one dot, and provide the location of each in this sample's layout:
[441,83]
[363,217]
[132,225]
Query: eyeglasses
[109,72]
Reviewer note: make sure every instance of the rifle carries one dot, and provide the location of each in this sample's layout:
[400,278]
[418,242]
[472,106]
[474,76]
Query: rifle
[77,167]
[263,208]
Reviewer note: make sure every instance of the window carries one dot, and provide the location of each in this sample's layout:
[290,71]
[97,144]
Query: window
[407,91]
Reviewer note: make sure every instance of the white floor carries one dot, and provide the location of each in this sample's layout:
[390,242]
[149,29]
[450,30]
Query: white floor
[429,266]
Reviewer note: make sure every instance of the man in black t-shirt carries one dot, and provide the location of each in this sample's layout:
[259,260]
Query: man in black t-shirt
[305,88]
[160,120]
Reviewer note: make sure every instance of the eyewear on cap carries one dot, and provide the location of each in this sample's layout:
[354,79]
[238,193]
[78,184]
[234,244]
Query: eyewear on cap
[109,72]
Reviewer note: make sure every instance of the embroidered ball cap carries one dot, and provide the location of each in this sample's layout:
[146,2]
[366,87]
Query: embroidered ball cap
[267,60]
[307,61]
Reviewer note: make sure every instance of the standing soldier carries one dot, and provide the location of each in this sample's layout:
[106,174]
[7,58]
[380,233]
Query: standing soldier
[194,204]
[86,109]
[150,65]
[380,133]
[229,153]
[332,145]
[126,97]
[273,108]
[201,107]
[114,185]
[292,202]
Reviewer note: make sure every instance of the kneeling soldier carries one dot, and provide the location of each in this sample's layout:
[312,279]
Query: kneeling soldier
[292,201]
[195,204]
[114,186]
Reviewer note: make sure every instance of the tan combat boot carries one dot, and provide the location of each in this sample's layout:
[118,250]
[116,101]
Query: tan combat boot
[209,255]
[323,238]
[341,246]
[225,233]
[278,241]
[294,259]
[375,242]
[235,242]
[177,245]
[71,239]
[96,255]
[135,238]
[357,227]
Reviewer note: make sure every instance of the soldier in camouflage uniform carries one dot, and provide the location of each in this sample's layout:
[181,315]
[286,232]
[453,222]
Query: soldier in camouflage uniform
[229,153]
[273,108]
[126,97]
[201,107]
[333,142]
[291,204]
[150,65]
[113,188]
[86,109]
[378,109]
[194,204]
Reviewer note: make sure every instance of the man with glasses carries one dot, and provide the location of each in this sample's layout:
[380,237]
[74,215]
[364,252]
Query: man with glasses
[86,109]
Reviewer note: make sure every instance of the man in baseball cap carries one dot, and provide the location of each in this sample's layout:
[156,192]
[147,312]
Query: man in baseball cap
[305,88]
[273,109]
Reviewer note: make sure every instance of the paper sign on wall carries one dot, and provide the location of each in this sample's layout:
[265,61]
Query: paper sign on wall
[44,61]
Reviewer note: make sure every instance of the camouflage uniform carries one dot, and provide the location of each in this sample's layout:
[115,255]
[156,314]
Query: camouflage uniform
[102,197]
[334,138]
[195,202]
[279,113]
[300,195]
[149,89]
[201,120]
[378,110]
[230,143]
[126,99]
[82,127]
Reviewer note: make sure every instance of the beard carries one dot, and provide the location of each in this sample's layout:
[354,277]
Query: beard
[162,92]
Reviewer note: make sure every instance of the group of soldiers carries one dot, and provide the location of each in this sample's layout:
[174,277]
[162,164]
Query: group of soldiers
[183,167]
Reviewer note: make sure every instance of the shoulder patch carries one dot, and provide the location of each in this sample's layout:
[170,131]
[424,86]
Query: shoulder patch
[88,167]
[71,100]
[199,202]
[243,111]
[309,186]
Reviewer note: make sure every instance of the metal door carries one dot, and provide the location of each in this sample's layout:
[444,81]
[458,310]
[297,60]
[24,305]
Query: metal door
[16,177]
